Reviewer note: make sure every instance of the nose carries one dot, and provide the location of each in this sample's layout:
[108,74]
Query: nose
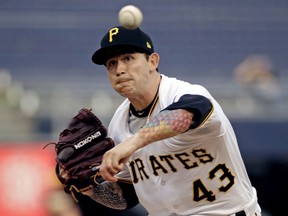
[121,69]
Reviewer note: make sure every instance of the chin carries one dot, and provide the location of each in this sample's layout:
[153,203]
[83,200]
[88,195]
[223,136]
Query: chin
[126,91]
[126,94]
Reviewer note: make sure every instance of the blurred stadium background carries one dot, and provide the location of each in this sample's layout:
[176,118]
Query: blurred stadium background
[237,49]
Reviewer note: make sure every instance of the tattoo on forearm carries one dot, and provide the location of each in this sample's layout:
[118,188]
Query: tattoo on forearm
[109,194]
[167,124]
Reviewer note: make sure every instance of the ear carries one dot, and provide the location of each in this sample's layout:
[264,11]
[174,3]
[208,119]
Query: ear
[154,61]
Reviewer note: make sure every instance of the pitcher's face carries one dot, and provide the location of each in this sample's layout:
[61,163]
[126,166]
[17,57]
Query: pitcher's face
[129,73]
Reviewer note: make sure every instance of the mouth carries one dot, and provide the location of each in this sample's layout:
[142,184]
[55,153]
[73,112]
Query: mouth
[120,81]
[123,86]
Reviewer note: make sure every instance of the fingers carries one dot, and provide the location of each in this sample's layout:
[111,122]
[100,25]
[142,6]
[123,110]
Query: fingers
[114,159]
[110,166]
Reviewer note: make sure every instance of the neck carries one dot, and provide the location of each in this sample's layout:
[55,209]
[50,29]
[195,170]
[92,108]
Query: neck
[142,102]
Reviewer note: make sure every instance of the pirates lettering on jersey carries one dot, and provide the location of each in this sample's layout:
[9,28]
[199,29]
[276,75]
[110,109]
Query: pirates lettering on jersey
[164,164]
[138,165]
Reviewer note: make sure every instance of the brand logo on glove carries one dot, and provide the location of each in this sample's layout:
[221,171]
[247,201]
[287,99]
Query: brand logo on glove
[87,140]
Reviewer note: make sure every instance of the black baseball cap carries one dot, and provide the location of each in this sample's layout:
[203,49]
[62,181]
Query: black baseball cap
[119,40]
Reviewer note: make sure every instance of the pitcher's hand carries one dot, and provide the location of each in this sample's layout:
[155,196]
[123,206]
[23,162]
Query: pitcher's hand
[114,159]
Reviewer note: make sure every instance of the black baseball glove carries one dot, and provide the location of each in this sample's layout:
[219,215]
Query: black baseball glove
[79,152]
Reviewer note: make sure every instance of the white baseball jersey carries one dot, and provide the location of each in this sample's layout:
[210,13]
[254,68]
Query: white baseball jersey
[199,172]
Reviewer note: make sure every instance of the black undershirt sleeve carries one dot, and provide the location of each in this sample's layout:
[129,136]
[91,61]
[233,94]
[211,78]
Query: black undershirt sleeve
[200,106]
[129,194]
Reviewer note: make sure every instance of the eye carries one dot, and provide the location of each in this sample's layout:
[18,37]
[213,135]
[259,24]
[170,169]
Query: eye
[110,64]
[128,58]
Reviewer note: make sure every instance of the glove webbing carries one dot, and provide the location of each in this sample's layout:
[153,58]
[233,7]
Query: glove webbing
[86,188]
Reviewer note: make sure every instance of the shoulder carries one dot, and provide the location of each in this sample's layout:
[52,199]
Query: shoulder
[120,113]
[123,106]
[172,81]
[176,88]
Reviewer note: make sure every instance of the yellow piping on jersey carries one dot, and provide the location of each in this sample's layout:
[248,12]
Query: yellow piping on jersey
[207,117]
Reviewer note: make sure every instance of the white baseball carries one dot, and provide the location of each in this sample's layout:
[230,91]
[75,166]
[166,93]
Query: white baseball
[130,17]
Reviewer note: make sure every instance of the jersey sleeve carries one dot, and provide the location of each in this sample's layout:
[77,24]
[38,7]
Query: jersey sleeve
[200,106]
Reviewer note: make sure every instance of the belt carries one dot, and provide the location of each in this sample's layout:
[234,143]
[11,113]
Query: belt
[241,213]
